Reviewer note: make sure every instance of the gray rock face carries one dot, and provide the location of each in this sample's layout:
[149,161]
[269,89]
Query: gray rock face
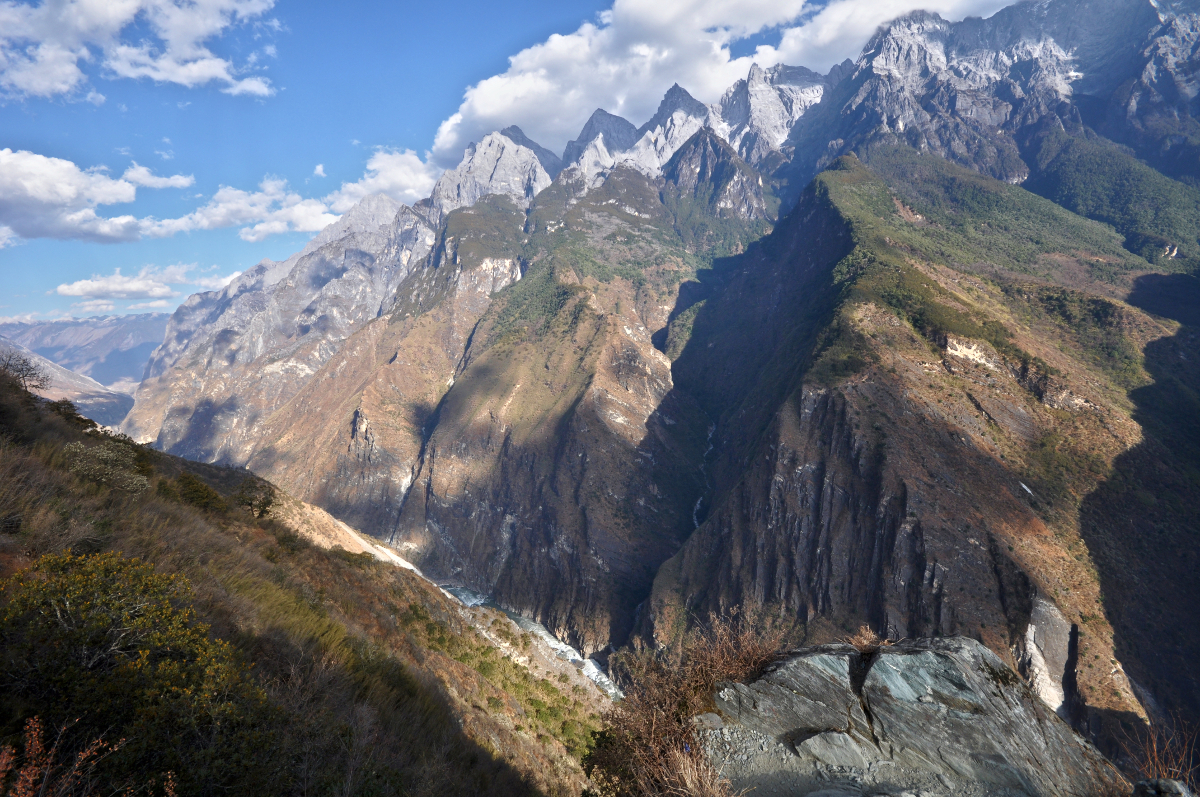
[937,716]
[496,165]
[550,162]
[967,90]
[757,114]
[618,135]
[232,357]
[706,168]
[1163,787]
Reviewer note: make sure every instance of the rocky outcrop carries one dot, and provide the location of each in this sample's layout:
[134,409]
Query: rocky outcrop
[617,135]
[757,114]
[496,165]
[932,716]
[707,170]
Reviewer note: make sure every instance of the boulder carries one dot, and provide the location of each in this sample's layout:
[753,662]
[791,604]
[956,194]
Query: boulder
[939,716]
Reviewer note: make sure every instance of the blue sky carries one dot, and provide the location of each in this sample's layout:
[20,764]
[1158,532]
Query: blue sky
[179,144]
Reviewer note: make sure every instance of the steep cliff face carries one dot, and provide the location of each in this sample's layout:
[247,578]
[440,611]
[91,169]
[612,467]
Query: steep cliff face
[510,425]
[232,357]
[909,421]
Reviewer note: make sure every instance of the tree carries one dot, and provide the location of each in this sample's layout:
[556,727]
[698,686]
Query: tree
[255,494]
[25,372]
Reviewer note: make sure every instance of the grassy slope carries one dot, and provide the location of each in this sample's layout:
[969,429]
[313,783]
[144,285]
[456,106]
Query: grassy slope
[384,685]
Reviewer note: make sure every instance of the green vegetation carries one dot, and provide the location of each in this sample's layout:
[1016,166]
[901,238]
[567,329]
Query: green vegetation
[973,222]
[98,643]
[549,710]
[1099,180]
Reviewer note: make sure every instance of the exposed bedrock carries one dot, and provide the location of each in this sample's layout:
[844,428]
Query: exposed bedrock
[935,716]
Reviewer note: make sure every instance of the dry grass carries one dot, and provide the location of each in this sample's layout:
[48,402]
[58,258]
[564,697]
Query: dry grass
[370,706]
[1169,749]
[649,747]
[866,641]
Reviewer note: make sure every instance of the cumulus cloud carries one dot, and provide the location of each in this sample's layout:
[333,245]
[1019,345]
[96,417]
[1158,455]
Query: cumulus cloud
[626,60]
[95,306]
[270,210]
[141,175]
[319,171]
[42,46]
[43,197]
[401,174]
[214,283]
[149,283]
[152,285]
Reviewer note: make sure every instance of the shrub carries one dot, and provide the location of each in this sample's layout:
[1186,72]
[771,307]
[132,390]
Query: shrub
[1166,749]
[107,462]
[649,745]
[195,492]
[110,642]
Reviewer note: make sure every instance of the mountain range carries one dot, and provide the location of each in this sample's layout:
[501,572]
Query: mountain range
[907,344]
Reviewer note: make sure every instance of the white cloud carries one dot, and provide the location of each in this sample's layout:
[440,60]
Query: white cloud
[628,58]
[141,175]
[95,306]
[320,170]
[95,98]
[401,174]
[23,318]
[214,283]
[42,46]
[270,210]
[150,283]
[166,155]
[43,197]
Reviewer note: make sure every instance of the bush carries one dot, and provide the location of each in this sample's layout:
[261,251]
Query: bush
[649,745]
[195,492]
[109,463]
[110,643]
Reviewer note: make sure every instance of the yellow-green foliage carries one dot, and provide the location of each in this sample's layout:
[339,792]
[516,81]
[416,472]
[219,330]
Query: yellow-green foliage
[106,645]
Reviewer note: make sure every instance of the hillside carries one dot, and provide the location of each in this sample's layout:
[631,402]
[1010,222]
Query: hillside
[954,380]
[360,673]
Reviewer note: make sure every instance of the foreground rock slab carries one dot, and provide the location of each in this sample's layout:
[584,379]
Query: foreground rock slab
[931,717]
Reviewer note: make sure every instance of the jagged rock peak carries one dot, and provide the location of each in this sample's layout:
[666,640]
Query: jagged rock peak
[550,162]
[372,212]
[756,114]
[496,165]
[676,100]
[618,134]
